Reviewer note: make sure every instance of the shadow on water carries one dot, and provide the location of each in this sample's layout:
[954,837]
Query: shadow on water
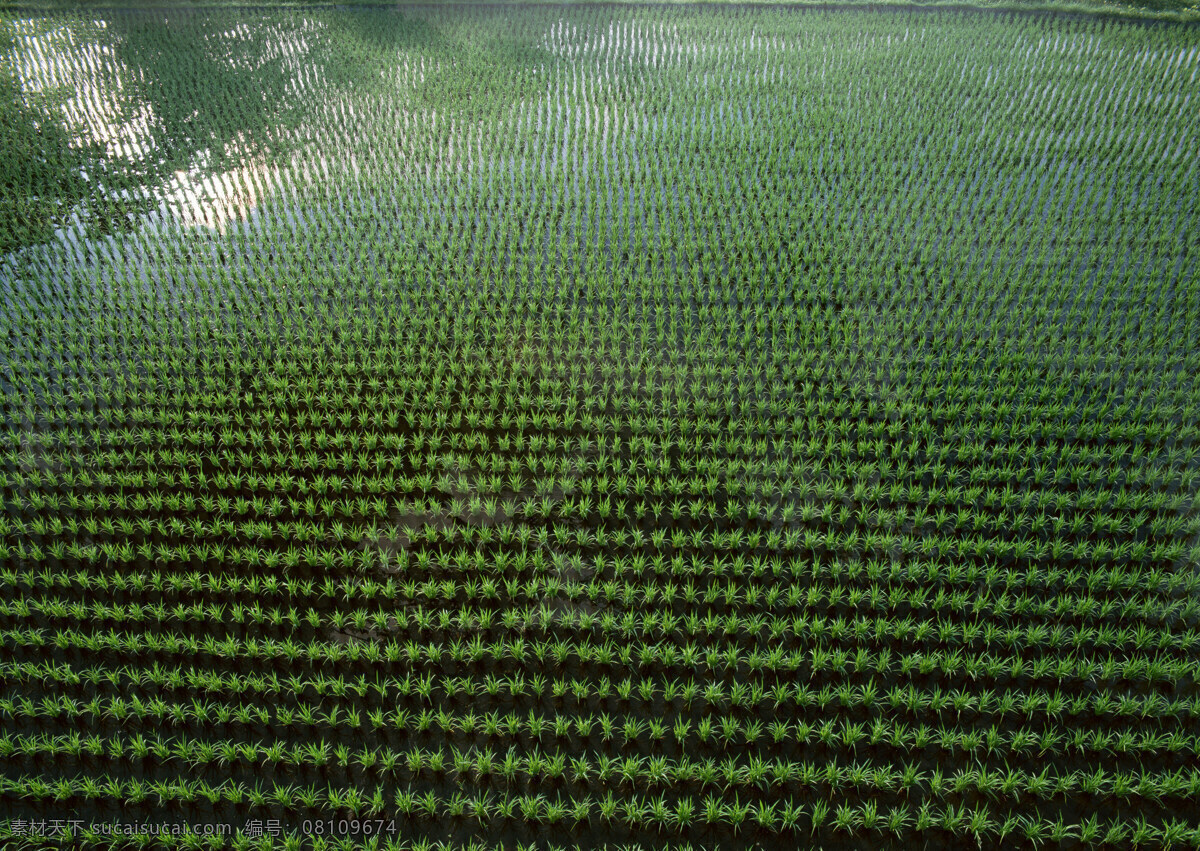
[226,93]
[154,97]
[494,63]
[195,85]
[218,97]
[42,178]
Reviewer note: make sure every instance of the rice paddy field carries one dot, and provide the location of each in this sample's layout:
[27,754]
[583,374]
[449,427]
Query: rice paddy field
[599,426]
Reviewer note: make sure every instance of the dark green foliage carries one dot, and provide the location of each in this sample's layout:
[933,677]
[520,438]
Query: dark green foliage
[667,428]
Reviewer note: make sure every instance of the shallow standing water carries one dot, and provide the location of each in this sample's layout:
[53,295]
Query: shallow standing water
[727,426]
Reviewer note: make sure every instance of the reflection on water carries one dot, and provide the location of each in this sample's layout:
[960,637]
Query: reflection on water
[150,115]
[203,118]
[198,197]
[174,117]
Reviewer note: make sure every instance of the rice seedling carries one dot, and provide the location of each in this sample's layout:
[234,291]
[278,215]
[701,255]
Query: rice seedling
[561,420]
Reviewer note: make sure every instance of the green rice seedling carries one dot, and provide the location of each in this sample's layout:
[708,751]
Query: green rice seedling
[477,368]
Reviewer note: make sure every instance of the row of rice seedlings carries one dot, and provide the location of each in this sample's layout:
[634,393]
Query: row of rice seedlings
[750,697]
[497,757]
[482,762]
[678,693]
[690,608]
[655,813]
[694,573]
[666,409]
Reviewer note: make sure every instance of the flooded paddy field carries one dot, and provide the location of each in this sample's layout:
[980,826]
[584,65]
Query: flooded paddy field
[603,426]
